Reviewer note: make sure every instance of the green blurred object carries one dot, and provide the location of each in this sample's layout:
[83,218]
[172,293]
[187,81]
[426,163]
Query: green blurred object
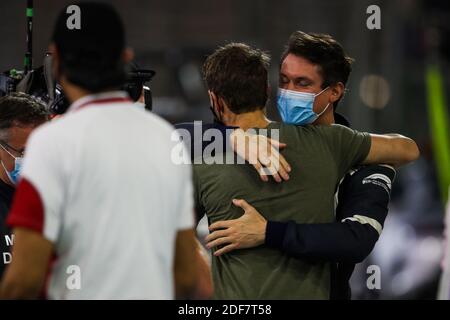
[439,122]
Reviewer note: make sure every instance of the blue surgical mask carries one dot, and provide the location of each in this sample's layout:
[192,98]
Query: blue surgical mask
[13,175]
[297,107]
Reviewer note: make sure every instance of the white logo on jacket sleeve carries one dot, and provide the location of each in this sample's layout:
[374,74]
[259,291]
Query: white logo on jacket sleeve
[379,180]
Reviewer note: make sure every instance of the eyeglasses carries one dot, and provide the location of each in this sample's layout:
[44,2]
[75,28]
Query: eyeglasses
[6,146]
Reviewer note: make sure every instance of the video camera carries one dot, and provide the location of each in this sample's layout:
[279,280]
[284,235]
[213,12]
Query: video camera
[40,83]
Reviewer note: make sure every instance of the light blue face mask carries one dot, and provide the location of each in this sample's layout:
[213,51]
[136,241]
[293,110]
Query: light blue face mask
[13,175]
[297,107]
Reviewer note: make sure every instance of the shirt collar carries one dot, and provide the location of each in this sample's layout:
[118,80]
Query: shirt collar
[92,98]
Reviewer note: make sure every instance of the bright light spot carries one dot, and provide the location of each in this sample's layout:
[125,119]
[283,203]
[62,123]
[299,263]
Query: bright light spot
[374,91]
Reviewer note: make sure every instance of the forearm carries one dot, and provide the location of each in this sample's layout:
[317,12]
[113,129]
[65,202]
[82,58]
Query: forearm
[185,264]
[405,149]
[17,290]
[392,149]
[184,286]
[25,276]
[363,206]
[20,284]
[348,241]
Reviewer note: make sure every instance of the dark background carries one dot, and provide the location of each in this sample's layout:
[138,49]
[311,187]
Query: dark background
[386,91]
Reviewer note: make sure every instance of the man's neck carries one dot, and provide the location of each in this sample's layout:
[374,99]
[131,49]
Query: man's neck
[326,119]
[73,92]
[254,119]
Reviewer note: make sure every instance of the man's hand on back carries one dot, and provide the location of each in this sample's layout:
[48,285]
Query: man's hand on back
[246,232]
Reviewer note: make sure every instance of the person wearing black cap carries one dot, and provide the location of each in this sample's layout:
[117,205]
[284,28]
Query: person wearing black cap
[92,193]
[313,71]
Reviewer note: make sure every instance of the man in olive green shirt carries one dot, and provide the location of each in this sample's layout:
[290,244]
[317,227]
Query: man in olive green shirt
[236,76]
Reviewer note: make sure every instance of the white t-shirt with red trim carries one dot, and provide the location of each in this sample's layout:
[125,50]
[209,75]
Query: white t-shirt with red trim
[99,183]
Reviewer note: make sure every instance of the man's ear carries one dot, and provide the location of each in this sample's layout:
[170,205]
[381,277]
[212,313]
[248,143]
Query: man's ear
[337,91]
[52,49]
[55,59]
[217,102]
[212,99]
[221,105]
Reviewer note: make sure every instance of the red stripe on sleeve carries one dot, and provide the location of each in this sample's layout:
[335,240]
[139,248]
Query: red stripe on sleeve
[27,209]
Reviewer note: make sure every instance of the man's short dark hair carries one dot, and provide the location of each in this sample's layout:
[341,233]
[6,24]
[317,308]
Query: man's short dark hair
[324,51]
[90,57]
[21,110]
[238,74]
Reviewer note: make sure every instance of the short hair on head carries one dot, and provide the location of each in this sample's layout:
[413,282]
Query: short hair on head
[238,74]
[321,49]
[91,57]
[21,110]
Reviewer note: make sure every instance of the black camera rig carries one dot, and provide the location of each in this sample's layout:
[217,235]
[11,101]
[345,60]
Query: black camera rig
[40,83]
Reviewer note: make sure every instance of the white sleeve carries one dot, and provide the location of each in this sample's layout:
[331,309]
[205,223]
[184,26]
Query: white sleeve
[42,167]
[185,196]
[186,205]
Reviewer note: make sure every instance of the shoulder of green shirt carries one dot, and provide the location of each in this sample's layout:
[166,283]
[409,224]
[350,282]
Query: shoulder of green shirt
[342,141]
[348,142]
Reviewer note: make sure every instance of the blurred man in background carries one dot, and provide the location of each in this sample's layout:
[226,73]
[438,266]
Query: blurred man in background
[92,191]
[20,114]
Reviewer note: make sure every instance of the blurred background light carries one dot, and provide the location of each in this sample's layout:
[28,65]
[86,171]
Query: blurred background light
[374,91]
